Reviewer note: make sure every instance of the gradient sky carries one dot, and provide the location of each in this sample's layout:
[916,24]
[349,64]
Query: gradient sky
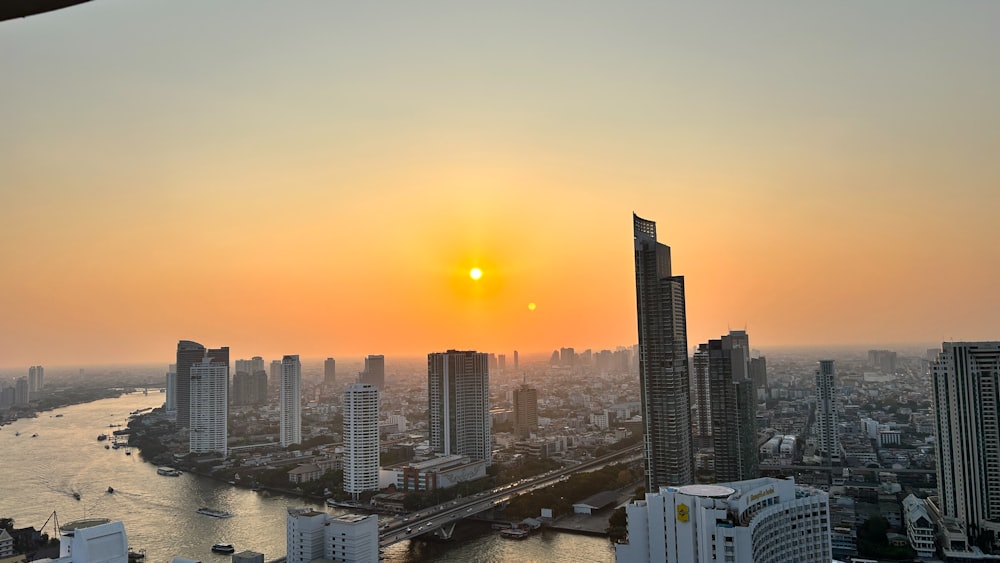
[318,177]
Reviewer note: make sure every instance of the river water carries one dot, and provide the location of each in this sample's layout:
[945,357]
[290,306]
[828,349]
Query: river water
[39,475]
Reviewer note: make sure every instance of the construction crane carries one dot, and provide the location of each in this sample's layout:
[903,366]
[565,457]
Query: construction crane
[55,522]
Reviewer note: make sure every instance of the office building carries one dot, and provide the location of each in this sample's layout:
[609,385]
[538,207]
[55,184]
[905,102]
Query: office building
[170,405]
[502,362]
[515,360]
[663,361]
[733,408]
[826,413]
[347,538]
[290,401]
[966,383]
[189,353]
[361,438]
[208,406]
[757,521]
[701,403]
[525,411]
[250,388]
[458,386]
[329,371]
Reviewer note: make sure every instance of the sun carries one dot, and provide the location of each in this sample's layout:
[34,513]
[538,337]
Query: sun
[475,273]
[531,306]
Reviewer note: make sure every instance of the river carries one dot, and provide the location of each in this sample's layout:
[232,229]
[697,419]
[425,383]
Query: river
[39,475]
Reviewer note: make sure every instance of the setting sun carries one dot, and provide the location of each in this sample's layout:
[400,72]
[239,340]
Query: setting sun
[475,273]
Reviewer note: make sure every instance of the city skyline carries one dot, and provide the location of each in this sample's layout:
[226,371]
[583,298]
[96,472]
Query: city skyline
[832,163]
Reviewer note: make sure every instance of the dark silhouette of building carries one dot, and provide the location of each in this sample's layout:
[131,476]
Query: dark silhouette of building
[329,371]
[758,372]
[701,411]
[374,373]
[663,361]
[525,410]
[734,408]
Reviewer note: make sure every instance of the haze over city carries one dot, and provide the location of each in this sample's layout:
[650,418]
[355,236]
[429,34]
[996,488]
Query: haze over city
[321,178]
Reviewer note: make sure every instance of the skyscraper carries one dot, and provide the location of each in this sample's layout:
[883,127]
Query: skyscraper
[515,360]
[758,372]
[208,405]
[290,401]
[663,361]
[966,381]
[189,353]
[22,391]
[36,378]
[701,403]
[826,413]
[329,371]
[361,439]
[525,410]
[734,416]
[458,386]
[374,371]
[170,405]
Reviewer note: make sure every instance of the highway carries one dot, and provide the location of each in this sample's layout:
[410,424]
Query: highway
[443,516]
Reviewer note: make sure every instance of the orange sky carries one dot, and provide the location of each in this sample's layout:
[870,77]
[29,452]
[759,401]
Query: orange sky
[320,180]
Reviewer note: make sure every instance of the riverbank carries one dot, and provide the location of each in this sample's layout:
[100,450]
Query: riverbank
[57,399]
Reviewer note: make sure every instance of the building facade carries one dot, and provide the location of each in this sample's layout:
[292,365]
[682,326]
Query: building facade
[188,354]
[208,381]
[966,382]
[290,401]
[347,538]
[458,385]
[663,361]
[757,521]
[36,378]
[361,438]
[733,406]
[374,373]
[701,402]
[826,413]
[329,371]
[170,404]
[525,411]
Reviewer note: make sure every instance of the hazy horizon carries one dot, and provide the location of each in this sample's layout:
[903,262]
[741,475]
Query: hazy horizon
[317,176]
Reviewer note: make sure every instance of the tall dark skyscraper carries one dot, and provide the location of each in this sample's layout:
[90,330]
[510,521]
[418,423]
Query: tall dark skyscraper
[701,403]
[525,411]
[189,353]
[458,387]
[374,373]
[329,371]
[663,361]
[734,408]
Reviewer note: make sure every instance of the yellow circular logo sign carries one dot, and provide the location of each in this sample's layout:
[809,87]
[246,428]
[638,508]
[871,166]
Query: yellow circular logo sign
[682,513]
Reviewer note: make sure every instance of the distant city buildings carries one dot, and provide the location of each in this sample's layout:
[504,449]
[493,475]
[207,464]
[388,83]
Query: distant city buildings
[361,438]
[733,406]
[826,413]
[313,536]
[663,361]
[525,411]
[757,521]
[189,353]
[208,405]
[329,371]
[22,391]
[966,383]
[290,401]
[374,373]
[458,384]
[882,360]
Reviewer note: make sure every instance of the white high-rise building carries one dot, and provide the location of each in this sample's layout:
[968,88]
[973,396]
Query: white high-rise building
[209,388]
[93,540]
[347,538]
[966,382]
[826,412]
[361,440]
[170,405]
[757,521]
[290,400]
[458,387]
